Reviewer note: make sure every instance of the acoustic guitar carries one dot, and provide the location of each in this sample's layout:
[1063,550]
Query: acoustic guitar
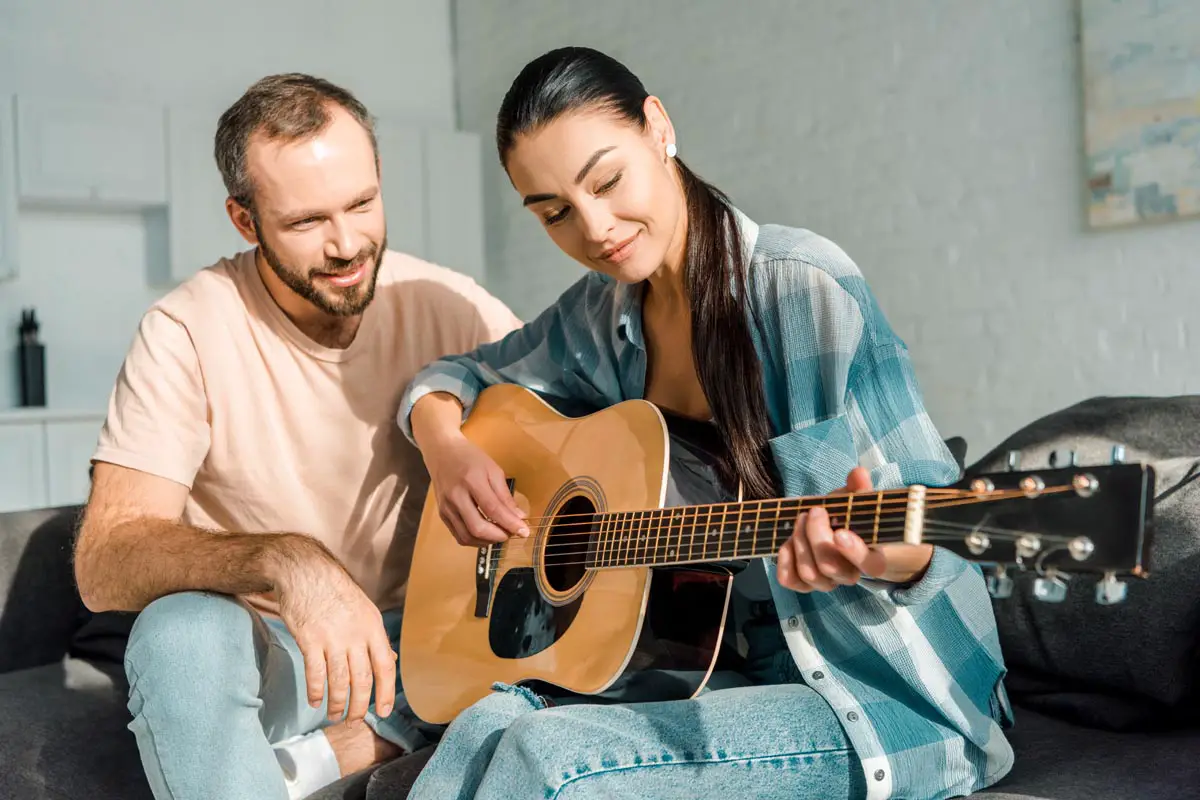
[622,588]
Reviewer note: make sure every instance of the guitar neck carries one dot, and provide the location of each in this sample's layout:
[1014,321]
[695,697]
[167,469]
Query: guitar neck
[735,531]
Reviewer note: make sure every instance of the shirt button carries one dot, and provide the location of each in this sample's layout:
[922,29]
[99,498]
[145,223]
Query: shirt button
[793,622]
[879,774]
[852,717]
[818,675]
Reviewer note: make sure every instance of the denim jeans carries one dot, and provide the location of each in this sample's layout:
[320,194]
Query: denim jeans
[759,733]
[212,685]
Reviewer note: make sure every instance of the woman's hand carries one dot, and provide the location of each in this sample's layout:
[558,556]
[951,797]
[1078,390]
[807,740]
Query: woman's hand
[819,559]
[473,498]
[472,495]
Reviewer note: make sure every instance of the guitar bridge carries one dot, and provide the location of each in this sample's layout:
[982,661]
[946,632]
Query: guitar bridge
[485,578]
[486,563]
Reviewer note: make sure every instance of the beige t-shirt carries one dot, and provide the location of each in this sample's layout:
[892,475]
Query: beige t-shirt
[272,432]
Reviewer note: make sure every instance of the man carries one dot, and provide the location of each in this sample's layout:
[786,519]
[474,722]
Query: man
[253,498]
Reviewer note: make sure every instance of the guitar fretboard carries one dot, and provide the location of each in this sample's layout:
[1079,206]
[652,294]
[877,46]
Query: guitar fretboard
[731,531]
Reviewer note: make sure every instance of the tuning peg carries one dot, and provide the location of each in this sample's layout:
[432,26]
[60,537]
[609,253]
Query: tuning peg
[1032,486]
[1028,546]
[1110,591]
[999,585]
[1071,459]
[1013,461]
[1050,588]
[1118,454]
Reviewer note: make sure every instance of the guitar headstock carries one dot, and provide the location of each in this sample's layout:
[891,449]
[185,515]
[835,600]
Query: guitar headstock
[1061,521]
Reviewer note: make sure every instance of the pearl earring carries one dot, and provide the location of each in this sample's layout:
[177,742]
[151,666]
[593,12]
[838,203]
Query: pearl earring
[671,150]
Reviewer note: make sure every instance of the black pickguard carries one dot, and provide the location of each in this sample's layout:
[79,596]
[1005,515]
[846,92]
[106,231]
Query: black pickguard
[686,606]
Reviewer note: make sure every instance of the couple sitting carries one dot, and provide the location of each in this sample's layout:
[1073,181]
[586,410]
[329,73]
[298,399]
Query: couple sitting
[269,442]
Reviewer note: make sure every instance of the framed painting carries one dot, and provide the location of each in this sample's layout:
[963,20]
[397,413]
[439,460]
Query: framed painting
[1141,71]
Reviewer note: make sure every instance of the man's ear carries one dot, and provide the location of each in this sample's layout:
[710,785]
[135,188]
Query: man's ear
[242,219]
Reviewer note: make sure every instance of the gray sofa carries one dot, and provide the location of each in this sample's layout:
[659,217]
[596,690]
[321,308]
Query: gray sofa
[62,685]
[63,716]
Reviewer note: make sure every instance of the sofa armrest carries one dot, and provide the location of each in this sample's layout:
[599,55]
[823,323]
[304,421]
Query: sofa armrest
[40,609]
[958,448]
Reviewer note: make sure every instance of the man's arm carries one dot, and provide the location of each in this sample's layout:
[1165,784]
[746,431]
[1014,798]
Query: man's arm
[132,549]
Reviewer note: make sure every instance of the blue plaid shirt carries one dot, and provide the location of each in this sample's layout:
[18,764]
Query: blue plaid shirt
[914,672]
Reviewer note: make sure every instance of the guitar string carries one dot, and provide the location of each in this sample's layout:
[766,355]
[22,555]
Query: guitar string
[723,538]
[931,538]
[933,532]
[826,501]
[891,495]
[677,529]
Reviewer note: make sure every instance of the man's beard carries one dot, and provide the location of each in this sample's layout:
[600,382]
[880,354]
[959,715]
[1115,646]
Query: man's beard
[338,302]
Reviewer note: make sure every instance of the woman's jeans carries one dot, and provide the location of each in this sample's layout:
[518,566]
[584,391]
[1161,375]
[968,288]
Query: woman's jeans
[758,733]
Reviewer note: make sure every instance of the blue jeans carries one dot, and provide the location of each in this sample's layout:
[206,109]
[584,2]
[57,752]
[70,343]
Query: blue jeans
[761,734]
[212,685]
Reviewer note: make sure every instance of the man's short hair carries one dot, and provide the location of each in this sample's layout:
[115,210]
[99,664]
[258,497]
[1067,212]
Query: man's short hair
[288,108]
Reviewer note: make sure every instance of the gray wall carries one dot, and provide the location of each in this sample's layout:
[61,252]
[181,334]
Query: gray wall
[938,142]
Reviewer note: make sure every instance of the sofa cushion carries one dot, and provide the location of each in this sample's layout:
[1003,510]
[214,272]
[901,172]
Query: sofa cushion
[63,734]
[39,607]
[391,781]
[1132,665]
[1056,760]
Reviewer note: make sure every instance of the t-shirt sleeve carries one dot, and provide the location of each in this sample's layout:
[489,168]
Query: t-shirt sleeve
[158,419]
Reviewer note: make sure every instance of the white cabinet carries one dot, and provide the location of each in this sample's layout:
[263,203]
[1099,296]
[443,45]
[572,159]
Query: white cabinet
[69,449]
[199,231]
[433,193]
[402,166]
[22,466]
[84,153]
[8,190]
[76,151]
[454,201]
[45,456]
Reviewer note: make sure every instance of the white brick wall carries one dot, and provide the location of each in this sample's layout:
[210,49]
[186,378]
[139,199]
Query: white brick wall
[938,142]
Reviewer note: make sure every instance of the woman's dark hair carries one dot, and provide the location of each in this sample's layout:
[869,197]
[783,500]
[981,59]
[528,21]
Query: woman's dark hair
[576,78]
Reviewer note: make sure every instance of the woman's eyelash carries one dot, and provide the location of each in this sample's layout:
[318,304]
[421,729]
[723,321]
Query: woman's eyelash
[559,216]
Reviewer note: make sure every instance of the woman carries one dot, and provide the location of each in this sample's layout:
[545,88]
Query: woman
[879,674]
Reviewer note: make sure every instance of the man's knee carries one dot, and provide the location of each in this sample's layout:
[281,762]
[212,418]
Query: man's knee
[191,639]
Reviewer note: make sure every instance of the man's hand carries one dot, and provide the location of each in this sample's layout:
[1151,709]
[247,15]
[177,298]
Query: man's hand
[132,549]
[818,559]
[341,635]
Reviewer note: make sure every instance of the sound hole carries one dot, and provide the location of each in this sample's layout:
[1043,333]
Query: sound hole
[569,544]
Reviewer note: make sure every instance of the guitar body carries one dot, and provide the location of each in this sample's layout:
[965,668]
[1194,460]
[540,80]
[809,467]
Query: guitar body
[526,611]
[622,589]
